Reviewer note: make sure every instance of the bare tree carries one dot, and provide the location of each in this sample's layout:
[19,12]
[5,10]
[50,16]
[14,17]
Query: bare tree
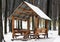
[1,27]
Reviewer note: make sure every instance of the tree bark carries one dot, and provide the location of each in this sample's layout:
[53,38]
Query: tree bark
[59,27]
[5,18]
[49,12]
[1,27]
[54,25]
[10,25]
[59,20]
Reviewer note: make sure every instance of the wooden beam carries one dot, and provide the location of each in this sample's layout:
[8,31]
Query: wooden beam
[21,24]
[33,22]
[28,24]
[12,26]
[36,22]
[18,7]
[26,10]
[18,24]
[22,11]
[46,26]
[20,18]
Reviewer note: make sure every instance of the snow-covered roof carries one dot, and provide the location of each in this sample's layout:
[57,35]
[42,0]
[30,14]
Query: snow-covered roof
[38,11]
[25,10]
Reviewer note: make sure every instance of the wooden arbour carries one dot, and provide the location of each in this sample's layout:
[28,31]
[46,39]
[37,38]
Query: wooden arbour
[24,12]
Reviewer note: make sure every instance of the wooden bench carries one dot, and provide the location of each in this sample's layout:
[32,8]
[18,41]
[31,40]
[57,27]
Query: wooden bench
[23,32]
[41,31]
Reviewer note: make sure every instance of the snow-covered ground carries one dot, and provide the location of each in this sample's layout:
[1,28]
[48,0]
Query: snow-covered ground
[53,37]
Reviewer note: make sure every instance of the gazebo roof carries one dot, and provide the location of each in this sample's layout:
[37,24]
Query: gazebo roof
[25,10]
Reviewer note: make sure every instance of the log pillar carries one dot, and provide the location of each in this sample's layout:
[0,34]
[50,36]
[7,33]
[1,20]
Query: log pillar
[18,24]
[21,24]
[46,26]
[36,22]
[12,26]
[28,24]
[33,23]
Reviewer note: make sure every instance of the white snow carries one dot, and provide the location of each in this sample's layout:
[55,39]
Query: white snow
[38,11]
[57,39]
[53,37]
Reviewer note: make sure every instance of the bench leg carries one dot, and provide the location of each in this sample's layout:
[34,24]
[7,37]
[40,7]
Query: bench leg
[44,36]
[47,35]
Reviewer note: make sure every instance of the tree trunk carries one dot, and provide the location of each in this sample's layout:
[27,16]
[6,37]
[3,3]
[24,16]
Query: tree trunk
[54,25]
[10,25]
[48,7]
[59,27]
[59,21]
[5,18]
[1,28]
[49,12]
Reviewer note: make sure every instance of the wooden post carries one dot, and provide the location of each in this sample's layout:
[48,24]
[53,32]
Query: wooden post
[46,26]
[28,24]
[36,22]
[21,24]
[18,24]
[33,23]
[12,26]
